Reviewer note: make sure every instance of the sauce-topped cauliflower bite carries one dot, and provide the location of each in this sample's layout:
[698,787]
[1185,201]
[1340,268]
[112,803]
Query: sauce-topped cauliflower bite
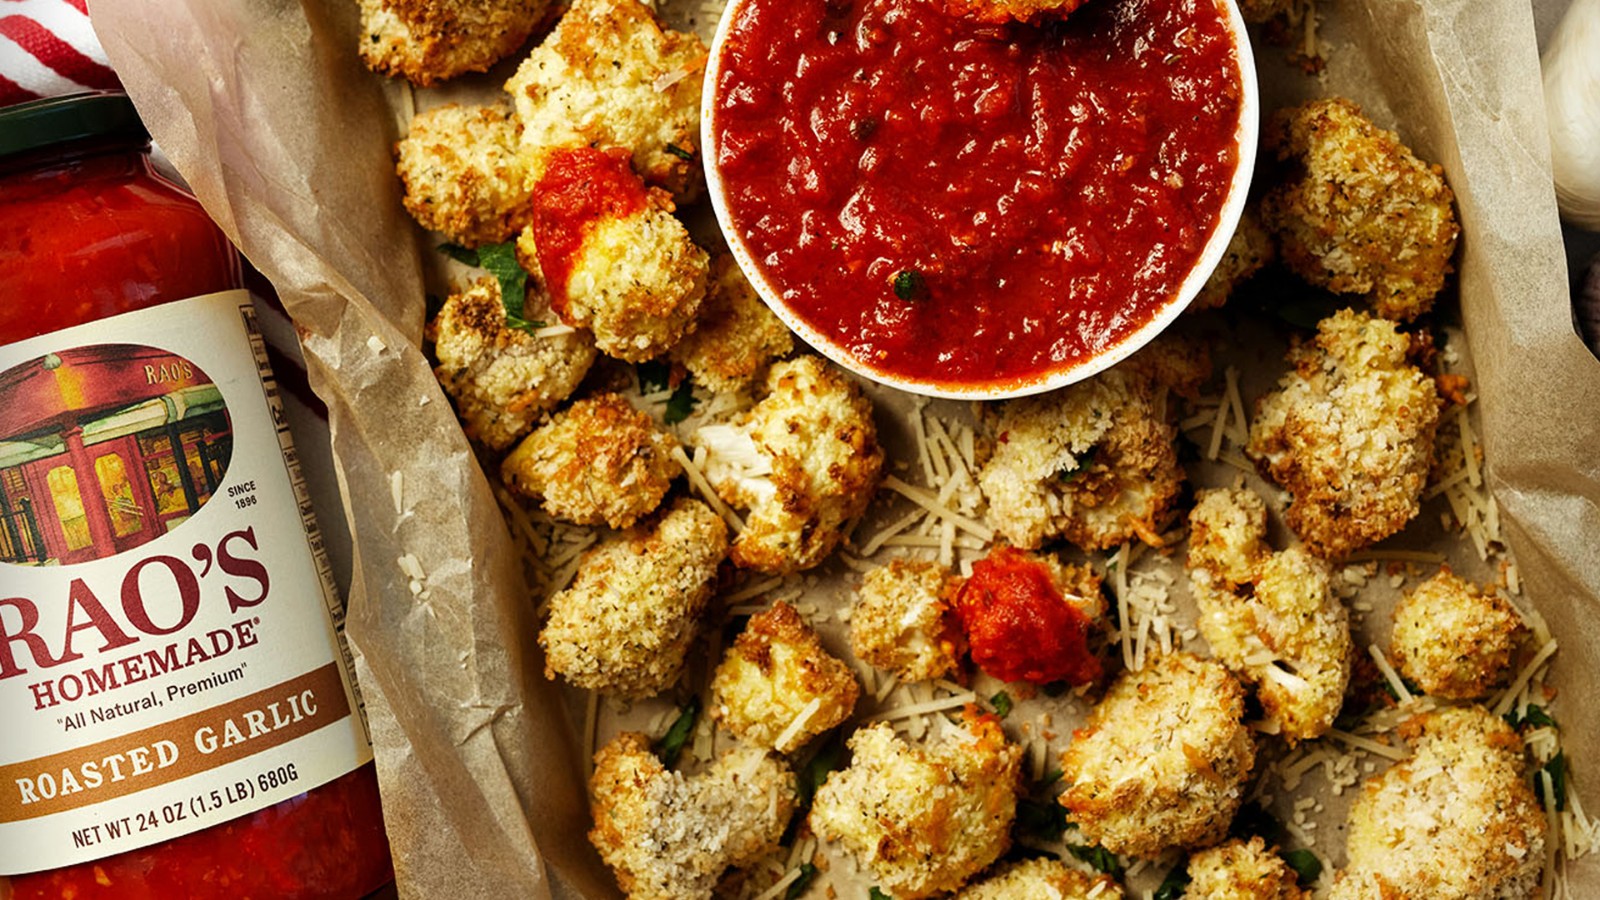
[671,837]
[1454,640]
[901,620]
[736,335]
[1162,761]
[1042,879]
[502,379]
[1455,821]
[923,819]
[1271,617]
[1240,870]
[804,461]
[626,622]
[598,460]
[610,75]
[464,173]
[1357,212]
[1249,251]
[428,41]
[777,687]
[614,258]
[1349,433]
[1030,617]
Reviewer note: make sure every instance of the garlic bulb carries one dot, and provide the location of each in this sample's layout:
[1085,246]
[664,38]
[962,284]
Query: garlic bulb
[1572,103]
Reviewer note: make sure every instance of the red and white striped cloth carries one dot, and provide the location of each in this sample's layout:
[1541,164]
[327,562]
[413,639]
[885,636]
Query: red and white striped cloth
[47,48]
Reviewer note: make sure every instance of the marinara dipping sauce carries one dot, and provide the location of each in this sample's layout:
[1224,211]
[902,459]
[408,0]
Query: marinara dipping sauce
[132,439]
[962,204]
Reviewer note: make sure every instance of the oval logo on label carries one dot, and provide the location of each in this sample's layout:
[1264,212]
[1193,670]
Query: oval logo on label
[104,448]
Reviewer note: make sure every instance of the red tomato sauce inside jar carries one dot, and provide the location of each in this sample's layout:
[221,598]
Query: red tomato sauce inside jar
[1020,627]
[973,204]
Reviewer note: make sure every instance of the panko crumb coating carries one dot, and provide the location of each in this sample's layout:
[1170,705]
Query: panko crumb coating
[503,379]
[1454,640]
[804,461]
[777,688]
[1456,821]
[1237,870]
[626,622]
[597,461]
[1271,617]
[1358,213]
[998,12]
[1163,759]
[428,41]
[670,837]
[1042,879]
[464,175]
[923,819]
[1349,433]
[1249,251]
[736,335]
[902,622]
[610,75]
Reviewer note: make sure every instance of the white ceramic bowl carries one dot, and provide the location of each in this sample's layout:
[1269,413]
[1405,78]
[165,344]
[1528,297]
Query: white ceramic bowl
[1233,205]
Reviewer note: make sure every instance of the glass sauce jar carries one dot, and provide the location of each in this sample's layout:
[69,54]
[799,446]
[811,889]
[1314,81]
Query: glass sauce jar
[88,231]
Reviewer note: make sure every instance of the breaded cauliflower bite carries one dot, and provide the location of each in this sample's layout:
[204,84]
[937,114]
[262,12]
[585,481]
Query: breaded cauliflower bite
[804,461]
[428,41]
[626,622]
[1349,433]
[1454,640]
[1249,251]
[1042,879]
[464,174]
[1358,213]
[610,75]
[670,837]
[902,621]
[1162,761]
[1237,870]
[923,819]
[777,687]
[615,259]
[599,460]
[1456,821]
[1271,617]
[502,379]
[736,335]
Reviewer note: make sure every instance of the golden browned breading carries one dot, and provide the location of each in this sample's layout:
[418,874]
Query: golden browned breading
[1349,433]
[923,819]
[1249,251]
[610,75]
[804,462]
[1001,11]
[902,620]
[736,335]
[1270,617]
[1454,640]
[1237,870]
[626,622]
[428,41]
[668,837]
[1042,879]
[464,175]
[777,687]
[1357,212]
[1162,761]
[1455,821]
[503,379]
[599,460]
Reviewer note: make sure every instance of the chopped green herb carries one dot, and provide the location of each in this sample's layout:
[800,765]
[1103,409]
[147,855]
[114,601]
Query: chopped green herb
[670,747]
[828,759]
[1410,686]
[654,375]
[1102,859]
[1050,777]
[500,260]
[877,894]
[680,153]
[680,404]
[1042,820]
[1002,704]
[1305,865]
[1557,767]
[910,285]
[1535,716]
[460,254]
[1176,882]
[799,885]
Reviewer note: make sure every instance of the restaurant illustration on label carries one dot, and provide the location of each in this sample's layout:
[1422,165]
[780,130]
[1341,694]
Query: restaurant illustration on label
[105,448]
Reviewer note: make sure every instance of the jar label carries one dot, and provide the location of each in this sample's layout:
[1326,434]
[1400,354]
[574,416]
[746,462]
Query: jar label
[171,646]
